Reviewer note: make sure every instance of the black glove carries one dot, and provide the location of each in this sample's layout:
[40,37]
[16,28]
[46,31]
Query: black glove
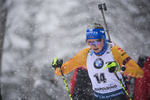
[112,67]
[57,63]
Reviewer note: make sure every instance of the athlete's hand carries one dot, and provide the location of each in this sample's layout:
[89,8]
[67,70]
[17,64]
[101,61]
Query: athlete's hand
[57,63]
[112,67]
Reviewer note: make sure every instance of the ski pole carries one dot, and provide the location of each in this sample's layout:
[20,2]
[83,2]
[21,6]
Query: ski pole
[66,85]
[103,7]
[122,86]
[60,62]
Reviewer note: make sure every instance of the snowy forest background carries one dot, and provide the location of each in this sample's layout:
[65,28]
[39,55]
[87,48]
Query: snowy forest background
[34,32]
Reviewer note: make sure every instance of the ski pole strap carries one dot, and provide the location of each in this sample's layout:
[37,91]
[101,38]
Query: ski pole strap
[66,85]
[123,86]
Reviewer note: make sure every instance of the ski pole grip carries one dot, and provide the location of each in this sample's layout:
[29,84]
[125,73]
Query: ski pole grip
[105,8]
[57,63]
[60,62]
[102,6]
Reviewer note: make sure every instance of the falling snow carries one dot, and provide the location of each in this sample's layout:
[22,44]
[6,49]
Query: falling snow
[39,30]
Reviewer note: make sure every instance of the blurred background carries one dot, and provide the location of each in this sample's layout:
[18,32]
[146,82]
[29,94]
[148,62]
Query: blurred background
[34,32]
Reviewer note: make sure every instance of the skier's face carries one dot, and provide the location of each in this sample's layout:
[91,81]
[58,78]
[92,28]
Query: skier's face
[95,44]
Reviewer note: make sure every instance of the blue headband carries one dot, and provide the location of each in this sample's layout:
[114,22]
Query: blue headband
[95,34]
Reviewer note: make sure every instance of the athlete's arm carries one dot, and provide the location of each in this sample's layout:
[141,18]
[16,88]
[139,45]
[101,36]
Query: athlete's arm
[78,60]
[121,57]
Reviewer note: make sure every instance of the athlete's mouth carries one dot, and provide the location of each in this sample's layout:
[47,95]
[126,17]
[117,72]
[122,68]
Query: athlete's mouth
[95,49]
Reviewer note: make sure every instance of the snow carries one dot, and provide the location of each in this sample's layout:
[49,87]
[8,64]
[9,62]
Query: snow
[39,31]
